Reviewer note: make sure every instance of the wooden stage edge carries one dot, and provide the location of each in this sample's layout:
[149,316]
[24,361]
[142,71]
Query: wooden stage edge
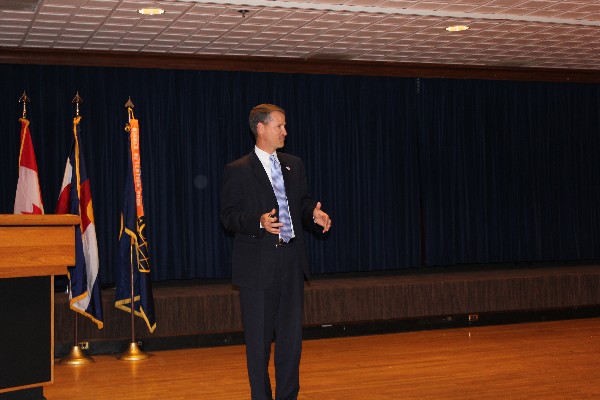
[200,313]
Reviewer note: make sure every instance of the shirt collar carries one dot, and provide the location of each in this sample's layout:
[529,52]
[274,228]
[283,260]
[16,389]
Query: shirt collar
[263,156]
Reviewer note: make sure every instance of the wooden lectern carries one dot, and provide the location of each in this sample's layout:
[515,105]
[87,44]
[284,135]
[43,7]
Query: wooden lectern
[33,248]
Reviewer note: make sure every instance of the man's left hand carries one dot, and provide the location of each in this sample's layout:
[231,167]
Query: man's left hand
[321,218]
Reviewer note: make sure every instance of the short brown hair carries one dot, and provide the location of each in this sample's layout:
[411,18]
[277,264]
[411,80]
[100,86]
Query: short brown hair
[262,113]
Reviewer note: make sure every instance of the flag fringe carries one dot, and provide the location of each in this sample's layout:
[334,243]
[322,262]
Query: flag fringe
[26,121]
[98,323]
[125,305]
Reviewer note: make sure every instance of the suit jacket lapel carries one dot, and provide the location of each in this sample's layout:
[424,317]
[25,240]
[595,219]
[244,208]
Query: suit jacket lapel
[259,171]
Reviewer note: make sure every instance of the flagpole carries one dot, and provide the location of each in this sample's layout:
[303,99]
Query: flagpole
[133,352]
[76,356]
[24,99]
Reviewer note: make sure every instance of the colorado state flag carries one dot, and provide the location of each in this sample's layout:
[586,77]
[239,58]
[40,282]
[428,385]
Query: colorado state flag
[76,198]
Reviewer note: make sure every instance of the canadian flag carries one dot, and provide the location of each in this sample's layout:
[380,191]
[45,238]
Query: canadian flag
[28,199]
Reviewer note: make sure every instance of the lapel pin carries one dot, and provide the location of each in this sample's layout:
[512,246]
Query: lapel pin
[288,168]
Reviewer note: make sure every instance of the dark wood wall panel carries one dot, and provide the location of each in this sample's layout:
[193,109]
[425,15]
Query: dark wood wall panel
[286,65]
[200,308]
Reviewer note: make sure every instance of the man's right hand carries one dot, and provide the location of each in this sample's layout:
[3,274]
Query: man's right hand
[269,222]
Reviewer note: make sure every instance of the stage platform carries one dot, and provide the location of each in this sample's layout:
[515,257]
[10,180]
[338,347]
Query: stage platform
[201,313]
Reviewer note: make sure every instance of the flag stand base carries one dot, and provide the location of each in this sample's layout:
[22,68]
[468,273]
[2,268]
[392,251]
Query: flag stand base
[76,357]
[133,353]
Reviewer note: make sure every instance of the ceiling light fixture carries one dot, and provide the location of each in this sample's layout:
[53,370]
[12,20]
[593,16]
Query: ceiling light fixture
[151,11]
[457,28]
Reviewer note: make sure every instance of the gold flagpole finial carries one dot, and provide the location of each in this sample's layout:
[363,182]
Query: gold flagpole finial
[129,105]
[77,100]
[24,99]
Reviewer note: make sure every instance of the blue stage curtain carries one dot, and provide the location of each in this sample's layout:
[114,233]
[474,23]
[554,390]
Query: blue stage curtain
[510,171]
[356,135]
[414,172]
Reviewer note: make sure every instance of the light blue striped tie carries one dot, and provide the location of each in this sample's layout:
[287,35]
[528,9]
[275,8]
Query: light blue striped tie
[279,188]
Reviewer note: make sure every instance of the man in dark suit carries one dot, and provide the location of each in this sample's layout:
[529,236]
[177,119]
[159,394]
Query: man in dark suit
[265,200]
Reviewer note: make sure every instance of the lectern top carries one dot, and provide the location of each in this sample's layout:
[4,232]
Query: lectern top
[36,245]
[39,220]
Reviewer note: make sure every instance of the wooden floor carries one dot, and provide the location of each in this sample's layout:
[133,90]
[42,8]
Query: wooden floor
[548,360]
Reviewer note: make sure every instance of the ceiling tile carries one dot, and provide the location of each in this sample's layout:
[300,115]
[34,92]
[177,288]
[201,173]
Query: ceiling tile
[535,33]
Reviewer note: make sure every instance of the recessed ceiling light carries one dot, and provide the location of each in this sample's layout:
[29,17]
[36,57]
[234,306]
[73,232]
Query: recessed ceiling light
[457,28]
[151,11]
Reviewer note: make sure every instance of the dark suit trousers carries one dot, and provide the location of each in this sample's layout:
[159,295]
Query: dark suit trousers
[275,312]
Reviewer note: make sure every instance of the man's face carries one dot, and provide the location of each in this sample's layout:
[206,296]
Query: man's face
[271,135]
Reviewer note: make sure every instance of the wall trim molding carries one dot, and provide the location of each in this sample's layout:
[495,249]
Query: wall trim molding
[285,65]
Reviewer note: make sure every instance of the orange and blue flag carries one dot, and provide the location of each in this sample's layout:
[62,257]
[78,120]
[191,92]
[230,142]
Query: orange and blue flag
[134,259]
[76,198]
